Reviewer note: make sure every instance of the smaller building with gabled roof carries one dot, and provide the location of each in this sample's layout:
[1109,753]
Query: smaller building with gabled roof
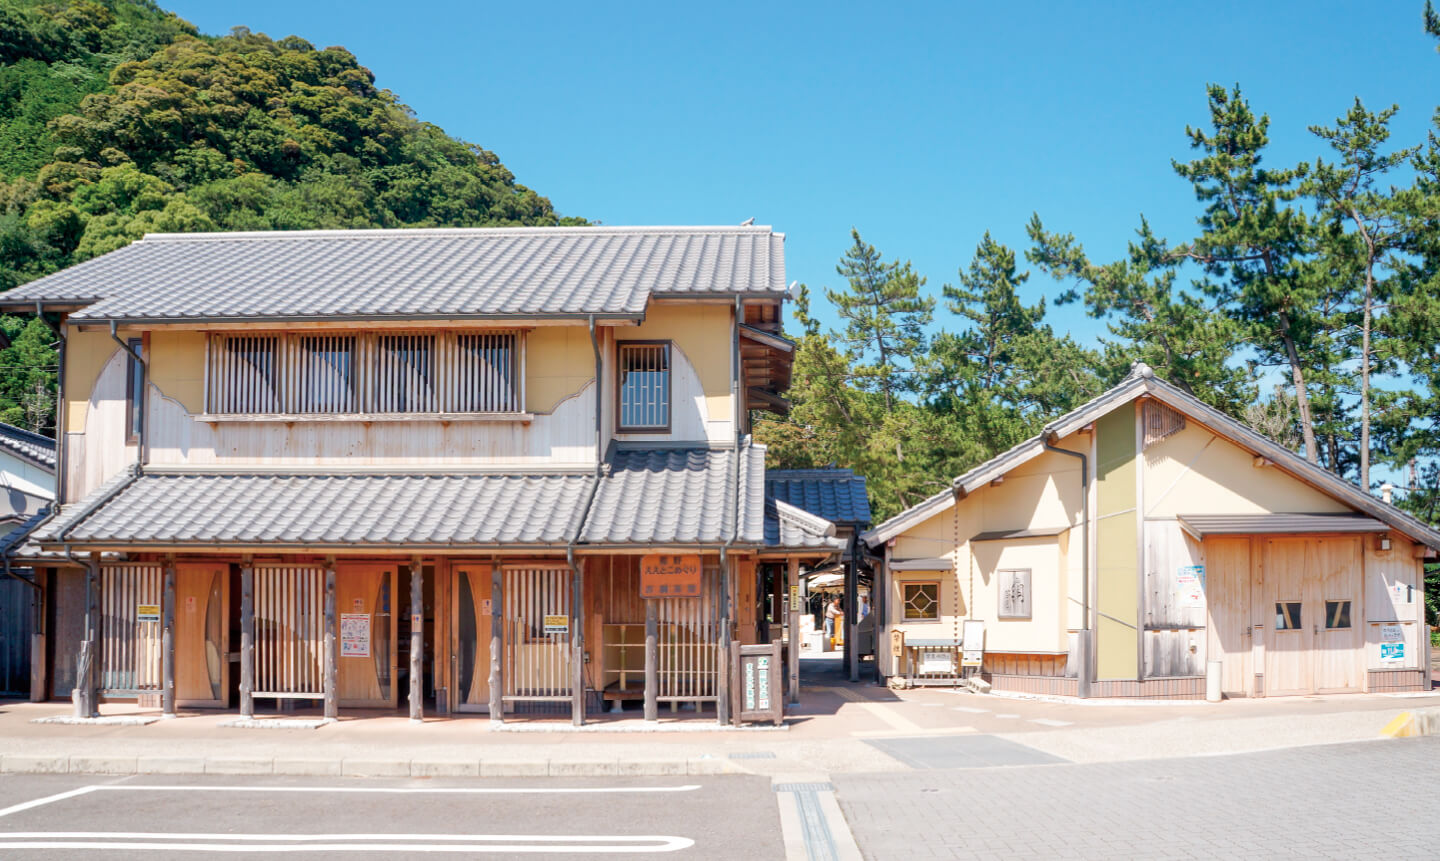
[1148,545]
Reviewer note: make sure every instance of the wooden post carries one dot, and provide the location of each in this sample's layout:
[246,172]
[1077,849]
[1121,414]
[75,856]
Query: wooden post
[652,660]
[852,614]
[577,645]
[497,701]
[167,642]
[332,651]
[38,679]
[247,638]
[776,694]
[417,640]
[722,654]
[792,584]
[86,697]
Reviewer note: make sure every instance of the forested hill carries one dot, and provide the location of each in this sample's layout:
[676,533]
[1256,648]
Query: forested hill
[118,118]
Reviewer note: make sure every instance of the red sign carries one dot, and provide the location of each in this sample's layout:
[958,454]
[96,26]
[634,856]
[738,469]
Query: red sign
[664,576]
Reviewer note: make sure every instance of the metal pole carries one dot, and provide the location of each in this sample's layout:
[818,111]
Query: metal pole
[417,640]
[652,661]
[332,656]
[167,644]
[497,644]
[247,639]
[792,583]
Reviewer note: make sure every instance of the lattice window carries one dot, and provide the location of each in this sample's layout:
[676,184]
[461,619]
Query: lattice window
[1160,422]
[921,601]
[486,371]
[405,374]
[244,374]
[324,379]
[645,387]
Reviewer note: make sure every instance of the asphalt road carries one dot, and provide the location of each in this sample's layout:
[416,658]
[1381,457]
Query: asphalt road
[64,816]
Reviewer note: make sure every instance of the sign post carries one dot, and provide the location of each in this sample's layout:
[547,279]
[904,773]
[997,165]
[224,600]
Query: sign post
[758,696]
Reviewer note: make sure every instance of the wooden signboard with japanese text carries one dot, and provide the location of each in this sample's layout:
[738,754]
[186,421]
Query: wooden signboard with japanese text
[667,576]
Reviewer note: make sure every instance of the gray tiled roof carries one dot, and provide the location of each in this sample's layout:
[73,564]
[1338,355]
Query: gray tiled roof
[678,496]
[442,273]
[349,510]
[791,528]
[31,446]
[835,494]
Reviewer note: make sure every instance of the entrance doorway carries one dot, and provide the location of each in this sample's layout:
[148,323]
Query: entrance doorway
[365,604]
[202,629]
[1311,601]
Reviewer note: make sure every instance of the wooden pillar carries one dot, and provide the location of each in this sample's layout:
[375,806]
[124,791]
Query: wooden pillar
[852,615]
[167,642]
[792,669]
[86,696]
[417,640]
[497,643]
[332,651]
[722,654]
[247,638]
[652,660]
[39,679]
[577,645]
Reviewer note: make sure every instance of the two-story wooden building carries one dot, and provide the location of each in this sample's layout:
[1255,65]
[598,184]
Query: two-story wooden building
[1145,544]
[361,467]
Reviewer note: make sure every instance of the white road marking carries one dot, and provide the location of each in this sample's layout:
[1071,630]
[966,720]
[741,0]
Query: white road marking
[403,790]
[1008,717]
[49,799]
[629,847]
[969,710]
[1051,722]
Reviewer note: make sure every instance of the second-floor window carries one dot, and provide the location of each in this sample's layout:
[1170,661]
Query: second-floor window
[134,392]
[644,387]
[364,373]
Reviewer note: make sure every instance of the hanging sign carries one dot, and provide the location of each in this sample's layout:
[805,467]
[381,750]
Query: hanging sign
[147,612]
[557,624]
[354,635]
[666,576]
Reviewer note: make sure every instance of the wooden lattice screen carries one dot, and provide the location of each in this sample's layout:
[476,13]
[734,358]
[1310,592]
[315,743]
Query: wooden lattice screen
[289,632]
[689,646]
[131,634]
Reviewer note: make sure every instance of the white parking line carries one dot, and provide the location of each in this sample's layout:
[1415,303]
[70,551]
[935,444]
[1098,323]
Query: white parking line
[969,710]
[1051,722]
[403,790]
[1008,717]
[49,799]
[473,843]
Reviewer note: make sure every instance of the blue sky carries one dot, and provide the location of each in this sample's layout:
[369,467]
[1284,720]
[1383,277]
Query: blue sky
[923,126]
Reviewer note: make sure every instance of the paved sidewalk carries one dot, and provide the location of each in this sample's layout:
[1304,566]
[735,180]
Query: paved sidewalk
[838,728]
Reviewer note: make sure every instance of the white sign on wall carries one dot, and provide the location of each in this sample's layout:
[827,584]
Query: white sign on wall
[1190,583]
[1392,634]
[354,635]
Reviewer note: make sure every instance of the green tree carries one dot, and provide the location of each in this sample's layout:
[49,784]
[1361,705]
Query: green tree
[1253,241]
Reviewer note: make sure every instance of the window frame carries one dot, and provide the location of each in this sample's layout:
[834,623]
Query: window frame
[134,391]
[905,617]
[620,426]
[293,359]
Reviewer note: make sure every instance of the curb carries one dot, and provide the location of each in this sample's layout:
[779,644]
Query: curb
[369,767]
[1411,724]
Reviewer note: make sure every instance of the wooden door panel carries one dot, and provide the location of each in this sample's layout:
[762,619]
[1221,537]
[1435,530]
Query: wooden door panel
[471,586]
[1288,651]
[1339,652]
[202,627]
[366,594]
[1227,589]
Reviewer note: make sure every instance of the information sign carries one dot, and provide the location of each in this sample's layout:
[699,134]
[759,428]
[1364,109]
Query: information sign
[666,576]
[354,635]
[147,612]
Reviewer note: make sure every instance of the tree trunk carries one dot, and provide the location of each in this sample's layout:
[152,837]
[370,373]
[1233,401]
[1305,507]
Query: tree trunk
[1365,384]
[1302,398]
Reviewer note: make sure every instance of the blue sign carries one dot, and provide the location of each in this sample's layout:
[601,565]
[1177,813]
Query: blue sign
[1392,653]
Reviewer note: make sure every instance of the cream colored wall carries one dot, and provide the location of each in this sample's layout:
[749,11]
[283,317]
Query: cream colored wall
[559,362]
[701,357]
[1394,584]
[86,354]
[99,451]
[1042,494]
[177,367]
[1196,472]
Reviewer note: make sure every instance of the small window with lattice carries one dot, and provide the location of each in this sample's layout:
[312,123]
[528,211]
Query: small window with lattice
[921,601]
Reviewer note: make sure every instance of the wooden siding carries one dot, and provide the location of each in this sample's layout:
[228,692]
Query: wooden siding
[1024,665]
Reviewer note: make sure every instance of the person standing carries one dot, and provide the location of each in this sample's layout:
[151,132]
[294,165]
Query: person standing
[832,611]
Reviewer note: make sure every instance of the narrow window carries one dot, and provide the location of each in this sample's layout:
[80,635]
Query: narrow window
[405,374]
[134,393]
[1287,615]
[326,382]
[244,371]
[486,372]
[1337,615]
[921,601]
[645,387]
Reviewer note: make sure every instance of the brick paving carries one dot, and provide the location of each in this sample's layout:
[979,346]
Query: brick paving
[1362,800]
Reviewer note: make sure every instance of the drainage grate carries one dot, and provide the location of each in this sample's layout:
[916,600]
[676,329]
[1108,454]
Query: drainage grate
[804,787]
[755,754]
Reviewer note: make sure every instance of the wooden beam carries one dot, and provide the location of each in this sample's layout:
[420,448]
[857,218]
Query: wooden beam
[167,642]
[652,660]
[497,643]
[332,651]
[792,586]
[247,638]
[417,640]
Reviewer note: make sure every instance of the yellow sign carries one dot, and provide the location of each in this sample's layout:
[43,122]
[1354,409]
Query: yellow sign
[147,612]
[794,594]
[557,624]
[666,576]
